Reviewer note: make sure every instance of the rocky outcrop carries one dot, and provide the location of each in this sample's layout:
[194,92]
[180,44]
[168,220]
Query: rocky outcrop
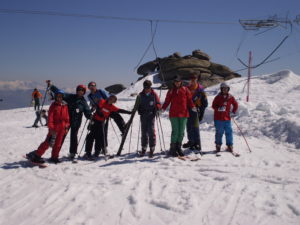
[115,88]
[198,63]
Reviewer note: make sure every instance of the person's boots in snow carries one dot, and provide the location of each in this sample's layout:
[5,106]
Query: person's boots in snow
[33,157]
[186,145]
[54,160]
[143,152]
[229,148]
[151,152]
[178,149]
[218,148]
[172,151]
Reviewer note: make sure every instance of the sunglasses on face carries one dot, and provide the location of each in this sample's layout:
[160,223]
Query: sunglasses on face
[80,89]
[92,85]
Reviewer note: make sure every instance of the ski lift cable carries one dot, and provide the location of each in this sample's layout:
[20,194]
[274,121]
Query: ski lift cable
[148,47]
[268,56]
[78,15]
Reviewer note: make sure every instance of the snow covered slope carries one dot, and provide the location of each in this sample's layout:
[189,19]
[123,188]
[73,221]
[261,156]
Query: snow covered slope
[262,187]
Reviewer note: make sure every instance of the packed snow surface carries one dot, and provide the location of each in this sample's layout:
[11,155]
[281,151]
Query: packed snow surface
[261,187]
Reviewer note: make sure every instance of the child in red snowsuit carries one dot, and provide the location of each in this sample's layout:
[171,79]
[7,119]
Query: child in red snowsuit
[58,124]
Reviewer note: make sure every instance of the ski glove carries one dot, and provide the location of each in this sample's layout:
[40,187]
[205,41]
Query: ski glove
[232,114]
[194,109]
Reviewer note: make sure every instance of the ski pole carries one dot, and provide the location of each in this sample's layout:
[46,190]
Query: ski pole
[137,146]
[241,133]
[130,137]
[159,134]
[162,133]
[115,131]
[197,120]
[104,141]
[82,130]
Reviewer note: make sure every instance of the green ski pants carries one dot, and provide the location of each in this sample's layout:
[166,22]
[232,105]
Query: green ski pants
[178,126]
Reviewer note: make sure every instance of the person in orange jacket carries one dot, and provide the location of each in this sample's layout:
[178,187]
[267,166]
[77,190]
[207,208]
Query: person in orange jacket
[36,95]
[97,133]
[58,124]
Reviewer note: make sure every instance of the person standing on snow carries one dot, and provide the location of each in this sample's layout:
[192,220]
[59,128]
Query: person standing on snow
[147,109]
[77,106]
[224,104]
[200,100]
[97,132]
[58,124]
[39,115]
[180,99]
[36,95]
[95,96]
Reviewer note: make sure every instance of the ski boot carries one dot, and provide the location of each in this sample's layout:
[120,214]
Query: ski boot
[218,148]
[54,160]
[151,152]
[187,145]
[172,152]
[178,149]
[229,148]
[33,157]
[87,156]
[72,156]
[143,152]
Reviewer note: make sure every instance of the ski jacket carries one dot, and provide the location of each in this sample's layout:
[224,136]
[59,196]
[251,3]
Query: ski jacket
[222,106]
[180,99]
[58,116]
[104,110]
[97,96]
[36,94]
[77,107]
[149,103]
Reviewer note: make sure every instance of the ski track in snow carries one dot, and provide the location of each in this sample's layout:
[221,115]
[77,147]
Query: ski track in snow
[262,187]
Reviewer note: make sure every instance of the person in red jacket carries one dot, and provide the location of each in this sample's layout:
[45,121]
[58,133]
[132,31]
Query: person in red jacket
[224,104]
[97,133]
[58,124]
[180,99]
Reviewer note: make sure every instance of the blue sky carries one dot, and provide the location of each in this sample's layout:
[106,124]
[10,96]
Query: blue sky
[70,50]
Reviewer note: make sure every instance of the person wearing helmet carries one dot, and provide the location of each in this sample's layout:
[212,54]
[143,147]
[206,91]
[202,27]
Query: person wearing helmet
[149,104]
[77,106]
[180,99]
[224,104]
[58,124]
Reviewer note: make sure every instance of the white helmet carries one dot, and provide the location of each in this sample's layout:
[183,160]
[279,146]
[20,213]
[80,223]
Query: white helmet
[224,85]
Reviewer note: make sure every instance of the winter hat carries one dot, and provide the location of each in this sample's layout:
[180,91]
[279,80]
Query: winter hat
[177,79]
[59,92]
[147,84]
[81,87]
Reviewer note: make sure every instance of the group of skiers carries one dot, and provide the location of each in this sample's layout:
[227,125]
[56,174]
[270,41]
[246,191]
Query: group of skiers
[187,107]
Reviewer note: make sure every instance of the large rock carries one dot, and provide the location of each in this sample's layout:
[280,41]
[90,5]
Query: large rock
[115,88]
[177,63]
[198,63]
[200,55]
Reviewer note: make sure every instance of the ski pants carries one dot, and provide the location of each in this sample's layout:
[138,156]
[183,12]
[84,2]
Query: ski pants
[96,133]
[118,120]
[73,139]
[192,128]
[57,144]
[178,126]
[36,104]
[221,127]
[148,130]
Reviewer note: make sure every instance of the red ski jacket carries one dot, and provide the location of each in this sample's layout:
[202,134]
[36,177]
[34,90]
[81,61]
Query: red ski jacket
[180,99]
[105,110]
[58,116]
[222,106]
